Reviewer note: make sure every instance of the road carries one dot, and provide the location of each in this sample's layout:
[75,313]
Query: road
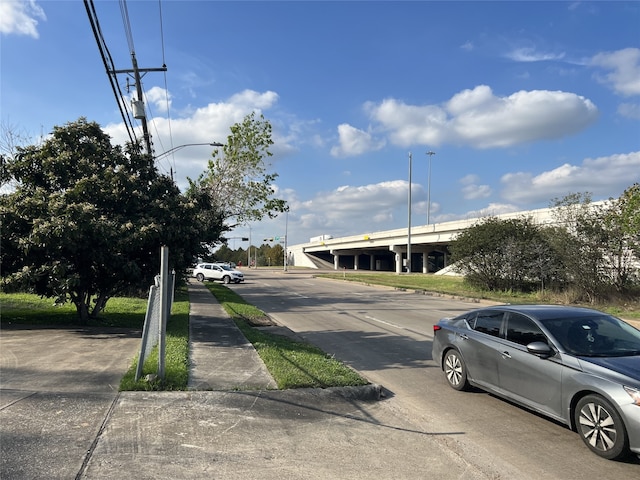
[386,335]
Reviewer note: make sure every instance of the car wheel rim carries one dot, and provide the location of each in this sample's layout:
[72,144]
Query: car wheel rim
[453,369]
[598,427]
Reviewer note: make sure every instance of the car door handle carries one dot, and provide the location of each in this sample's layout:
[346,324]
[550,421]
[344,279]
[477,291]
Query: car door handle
[506,355]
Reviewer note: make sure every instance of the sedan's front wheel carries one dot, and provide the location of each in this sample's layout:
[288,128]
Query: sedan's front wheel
[601,428]
[226,279]
[455,370]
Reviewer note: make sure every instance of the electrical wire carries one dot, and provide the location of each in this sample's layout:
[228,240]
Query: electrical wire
[125,112]
[124,11]
[166,87]
[107,60]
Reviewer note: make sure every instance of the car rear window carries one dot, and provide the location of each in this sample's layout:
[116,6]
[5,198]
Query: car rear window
[488,322]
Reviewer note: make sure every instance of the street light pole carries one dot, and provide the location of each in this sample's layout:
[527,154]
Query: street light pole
[430,153]
[409,225]
[170,151]
[286,236]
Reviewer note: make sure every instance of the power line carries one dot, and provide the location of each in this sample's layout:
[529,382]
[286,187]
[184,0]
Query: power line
[124,12]
[107,60]
[166,87]
[139,105]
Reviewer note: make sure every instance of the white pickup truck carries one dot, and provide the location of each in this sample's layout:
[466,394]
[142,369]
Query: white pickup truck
[217,271]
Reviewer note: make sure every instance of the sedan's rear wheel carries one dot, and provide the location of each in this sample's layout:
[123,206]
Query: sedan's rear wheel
[601,428]
[200,277]
[455,370]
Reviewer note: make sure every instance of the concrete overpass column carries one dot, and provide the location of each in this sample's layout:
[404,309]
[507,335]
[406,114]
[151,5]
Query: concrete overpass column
[355,261]
[336,261]
[425,262]
[398,252]
[371,262]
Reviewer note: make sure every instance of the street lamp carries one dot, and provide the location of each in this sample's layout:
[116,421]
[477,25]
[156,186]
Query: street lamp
[286,233]
[430,153]
[170,151]
[409,225]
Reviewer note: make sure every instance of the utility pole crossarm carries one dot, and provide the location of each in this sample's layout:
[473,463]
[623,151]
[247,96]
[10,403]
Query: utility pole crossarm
[145,70]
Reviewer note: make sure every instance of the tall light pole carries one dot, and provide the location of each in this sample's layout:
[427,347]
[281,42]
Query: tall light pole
[286,236]
[431,154]
[409,221]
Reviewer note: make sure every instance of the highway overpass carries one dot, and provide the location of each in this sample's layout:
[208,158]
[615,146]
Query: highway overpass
[387,250]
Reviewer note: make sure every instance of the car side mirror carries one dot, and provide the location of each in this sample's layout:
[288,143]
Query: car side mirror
[540,349]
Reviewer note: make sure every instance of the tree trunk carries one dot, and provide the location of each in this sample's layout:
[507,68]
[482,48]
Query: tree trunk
[83,312]
[101,302]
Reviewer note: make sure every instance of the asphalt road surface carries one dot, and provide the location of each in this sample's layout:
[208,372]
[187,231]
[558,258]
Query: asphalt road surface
[386,335]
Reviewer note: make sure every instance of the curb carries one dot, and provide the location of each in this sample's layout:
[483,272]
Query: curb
[370,392]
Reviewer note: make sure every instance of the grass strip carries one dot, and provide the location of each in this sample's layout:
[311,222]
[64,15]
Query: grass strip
[292,364]
[456,286]
[31,309]
[176,367]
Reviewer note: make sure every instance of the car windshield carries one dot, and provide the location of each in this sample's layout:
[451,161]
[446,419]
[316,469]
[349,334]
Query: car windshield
[595,336]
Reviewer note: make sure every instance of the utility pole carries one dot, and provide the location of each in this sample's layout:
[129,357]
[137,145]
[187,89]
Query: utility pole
[138,107]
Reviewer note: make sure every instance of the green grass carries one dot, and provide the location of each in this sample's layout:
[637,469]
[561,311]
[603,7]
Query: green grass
[27,308]
[176,368]
[292,364]
[456,286]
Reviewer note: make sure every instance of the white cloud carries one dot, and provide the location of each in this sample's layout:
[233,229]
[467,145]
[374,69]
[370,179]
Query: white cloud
[493,209]
[600,176]
[350,209]
[207,124]
[20,17]
[251,99]
[469,179]
[531,55]
[467,46]
[471,190]
[160,98]
[624,66]
[630,110]
[354,142]
[480,119]
[474,192]
[410,124]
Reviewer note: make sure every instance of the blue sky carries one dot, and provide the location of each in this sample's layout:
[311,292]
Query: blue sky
[522,102]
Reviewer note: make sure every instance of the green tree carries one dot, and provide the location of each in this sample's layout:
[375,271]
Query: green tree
[621,223]
[628,210]
[87,219]
[237,185]
[503,254]
[584,254]
[277,254]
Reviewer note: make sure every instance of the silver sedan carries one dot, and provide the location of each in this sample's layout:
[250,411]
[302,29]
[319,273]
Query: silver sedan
[576,365]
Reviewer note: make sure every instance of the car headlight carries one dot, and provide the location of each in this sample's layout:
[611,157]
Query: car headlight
[634,393]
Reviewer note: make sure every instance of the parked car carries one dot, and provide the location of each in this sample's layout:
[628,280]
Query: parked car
[216,271]
[576,365]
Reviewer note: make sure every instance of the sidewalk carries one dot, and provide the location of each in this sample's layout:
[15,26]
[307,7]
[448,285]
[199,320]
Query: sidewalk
[221,357]
[61,416]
